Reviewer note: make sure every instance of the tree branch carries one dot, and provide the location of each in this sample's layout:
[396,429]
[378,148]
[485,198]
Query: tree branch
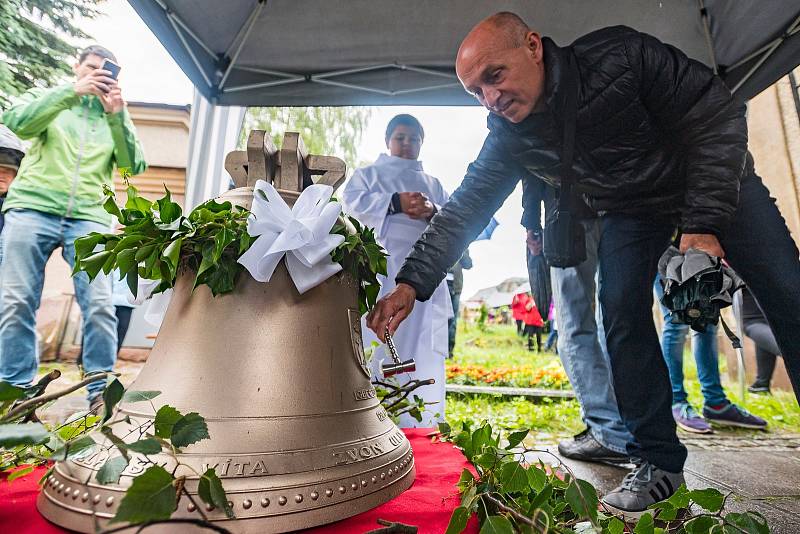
[35,402]
[408,389]
[393,528]
[518,516]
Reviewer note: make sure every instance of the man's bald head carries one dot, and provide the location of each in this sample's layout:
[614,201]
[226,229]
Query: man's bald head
[508,27]
[500,63]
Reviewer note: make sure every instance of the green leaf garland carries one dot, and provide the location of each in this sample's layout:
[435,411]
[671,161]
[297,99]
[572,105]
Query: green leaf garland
[158,242]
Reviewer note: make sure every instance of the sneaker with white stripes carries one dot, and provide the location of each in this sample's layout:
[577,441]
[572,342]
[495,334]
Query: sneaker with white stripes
[645,485]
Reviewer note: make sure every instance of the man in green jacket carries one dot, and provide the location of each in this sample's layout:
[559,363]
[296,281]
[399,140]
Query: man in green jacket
[79,132]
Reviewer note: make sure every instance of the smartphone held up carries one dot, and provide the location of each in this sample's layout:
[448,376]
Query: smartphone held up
[111,67]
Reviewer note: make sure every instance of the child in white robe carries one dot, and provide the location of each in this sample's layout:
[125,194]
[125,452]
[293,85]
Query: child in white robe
[397,198]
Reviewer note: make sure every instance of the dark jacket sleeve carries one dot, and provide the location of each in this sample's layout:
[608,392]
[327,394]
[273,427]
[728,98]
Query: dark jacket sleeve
[698,113]
[533,194]
[488,182]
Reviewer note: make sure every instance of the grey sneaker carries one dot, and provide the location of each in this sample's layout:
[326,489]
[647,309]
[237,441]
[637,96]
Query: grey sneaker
[732,415]
[689,420]
[645,485]
[584,447]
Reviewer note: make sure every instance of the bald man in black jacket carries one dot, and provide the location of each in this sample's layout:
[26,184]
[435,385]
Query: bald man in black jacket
[660,146]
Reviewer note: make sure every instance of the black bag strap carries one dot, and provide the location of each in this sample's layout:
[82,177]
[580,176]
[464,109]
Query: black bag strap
[735,341]
[569,108]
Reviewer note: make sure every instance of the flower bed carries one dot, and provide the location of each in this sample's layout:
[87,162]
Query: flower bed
[551,375]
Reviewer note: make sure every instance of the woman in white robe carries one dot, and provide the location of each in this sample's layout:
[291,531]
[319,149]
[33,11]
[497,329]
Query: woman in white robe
[398,199]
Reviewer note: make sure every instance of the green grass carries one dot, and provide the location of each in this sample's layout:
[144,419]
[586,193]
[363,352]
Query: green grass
[499,346]
[545,416]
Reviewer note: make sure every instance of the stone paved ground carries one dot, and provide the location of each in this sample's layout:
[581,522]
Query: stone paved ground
[761,470]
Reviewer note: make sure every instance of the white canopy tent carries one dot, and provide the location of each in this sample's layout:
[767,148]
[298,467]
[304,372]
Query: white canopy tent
[381,52]
[374,52]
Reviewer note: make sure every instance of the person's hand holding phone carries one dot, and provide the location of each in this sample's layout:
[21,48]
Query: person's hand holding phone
[102,83]
[98,82]
[112,101]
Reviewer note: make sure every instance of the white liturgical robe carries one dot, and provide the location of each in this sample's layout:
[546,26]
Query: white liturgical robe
[423,335]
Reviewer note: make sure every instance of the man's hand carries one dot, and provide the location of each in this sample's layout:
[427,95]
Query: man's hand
[708,243]
[534,242]
[112,101]
[416,205]
[98,82]
[391,310]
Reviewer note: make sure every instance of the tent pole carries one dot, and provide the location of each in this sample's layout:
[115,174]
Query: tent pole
[356,70]
[170,14]
[792,27]
[189,50]
[382,91]
[262,85]
[271,72]
[707,33]
[429,88]
[251,21]
[352,86]
[428,71]
[755,53]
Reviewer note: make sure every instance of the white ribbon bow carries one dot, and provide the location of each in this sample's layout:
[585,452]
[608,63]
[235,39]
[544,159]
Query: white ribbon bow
[156,304]
[301,233]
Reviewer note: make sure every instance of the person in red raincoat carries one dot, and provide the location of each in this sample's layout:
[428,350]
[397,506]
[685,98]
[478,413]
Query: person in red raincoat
[518,311]
[533,323]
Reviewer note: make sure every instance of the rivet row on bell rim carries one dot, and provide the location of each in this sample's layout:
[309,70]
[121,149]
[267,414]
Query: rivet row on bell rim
[246,503]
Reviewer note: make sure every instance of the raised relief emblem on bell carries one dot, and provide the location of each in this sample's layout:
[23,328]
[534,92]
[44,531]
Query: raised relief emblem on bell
[358,341]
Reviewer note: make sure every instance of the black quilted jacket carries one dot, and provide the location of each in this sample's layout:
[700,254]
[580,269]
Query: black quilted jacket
[657,136]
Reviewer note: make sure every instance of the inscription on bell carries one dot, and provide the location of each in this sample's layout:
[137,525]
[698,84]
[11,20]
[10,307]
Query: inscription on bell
[397,438]
[237,468]
[356,454]
[364,394]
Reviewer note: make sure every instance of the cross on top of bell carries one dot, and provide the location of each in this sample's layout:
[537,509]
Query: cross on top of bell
[289,168]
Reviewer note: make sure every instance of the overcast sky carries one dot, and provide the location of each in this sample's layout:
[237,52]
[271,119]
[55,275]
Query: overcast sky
[453,135]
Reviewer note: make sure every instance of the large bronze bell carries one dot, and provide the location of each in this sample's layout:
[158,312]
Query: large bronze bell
[298,436]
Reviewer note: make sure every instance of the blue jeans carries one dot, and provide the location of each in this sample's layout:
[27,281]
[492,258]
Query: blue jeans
[706,356]
[29,238]
[582,348]
[452,322]
[551,338]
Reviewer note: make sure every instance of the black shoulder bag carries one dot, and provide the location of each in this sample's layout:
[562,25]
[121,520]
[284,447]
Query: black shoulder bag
[564,243]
